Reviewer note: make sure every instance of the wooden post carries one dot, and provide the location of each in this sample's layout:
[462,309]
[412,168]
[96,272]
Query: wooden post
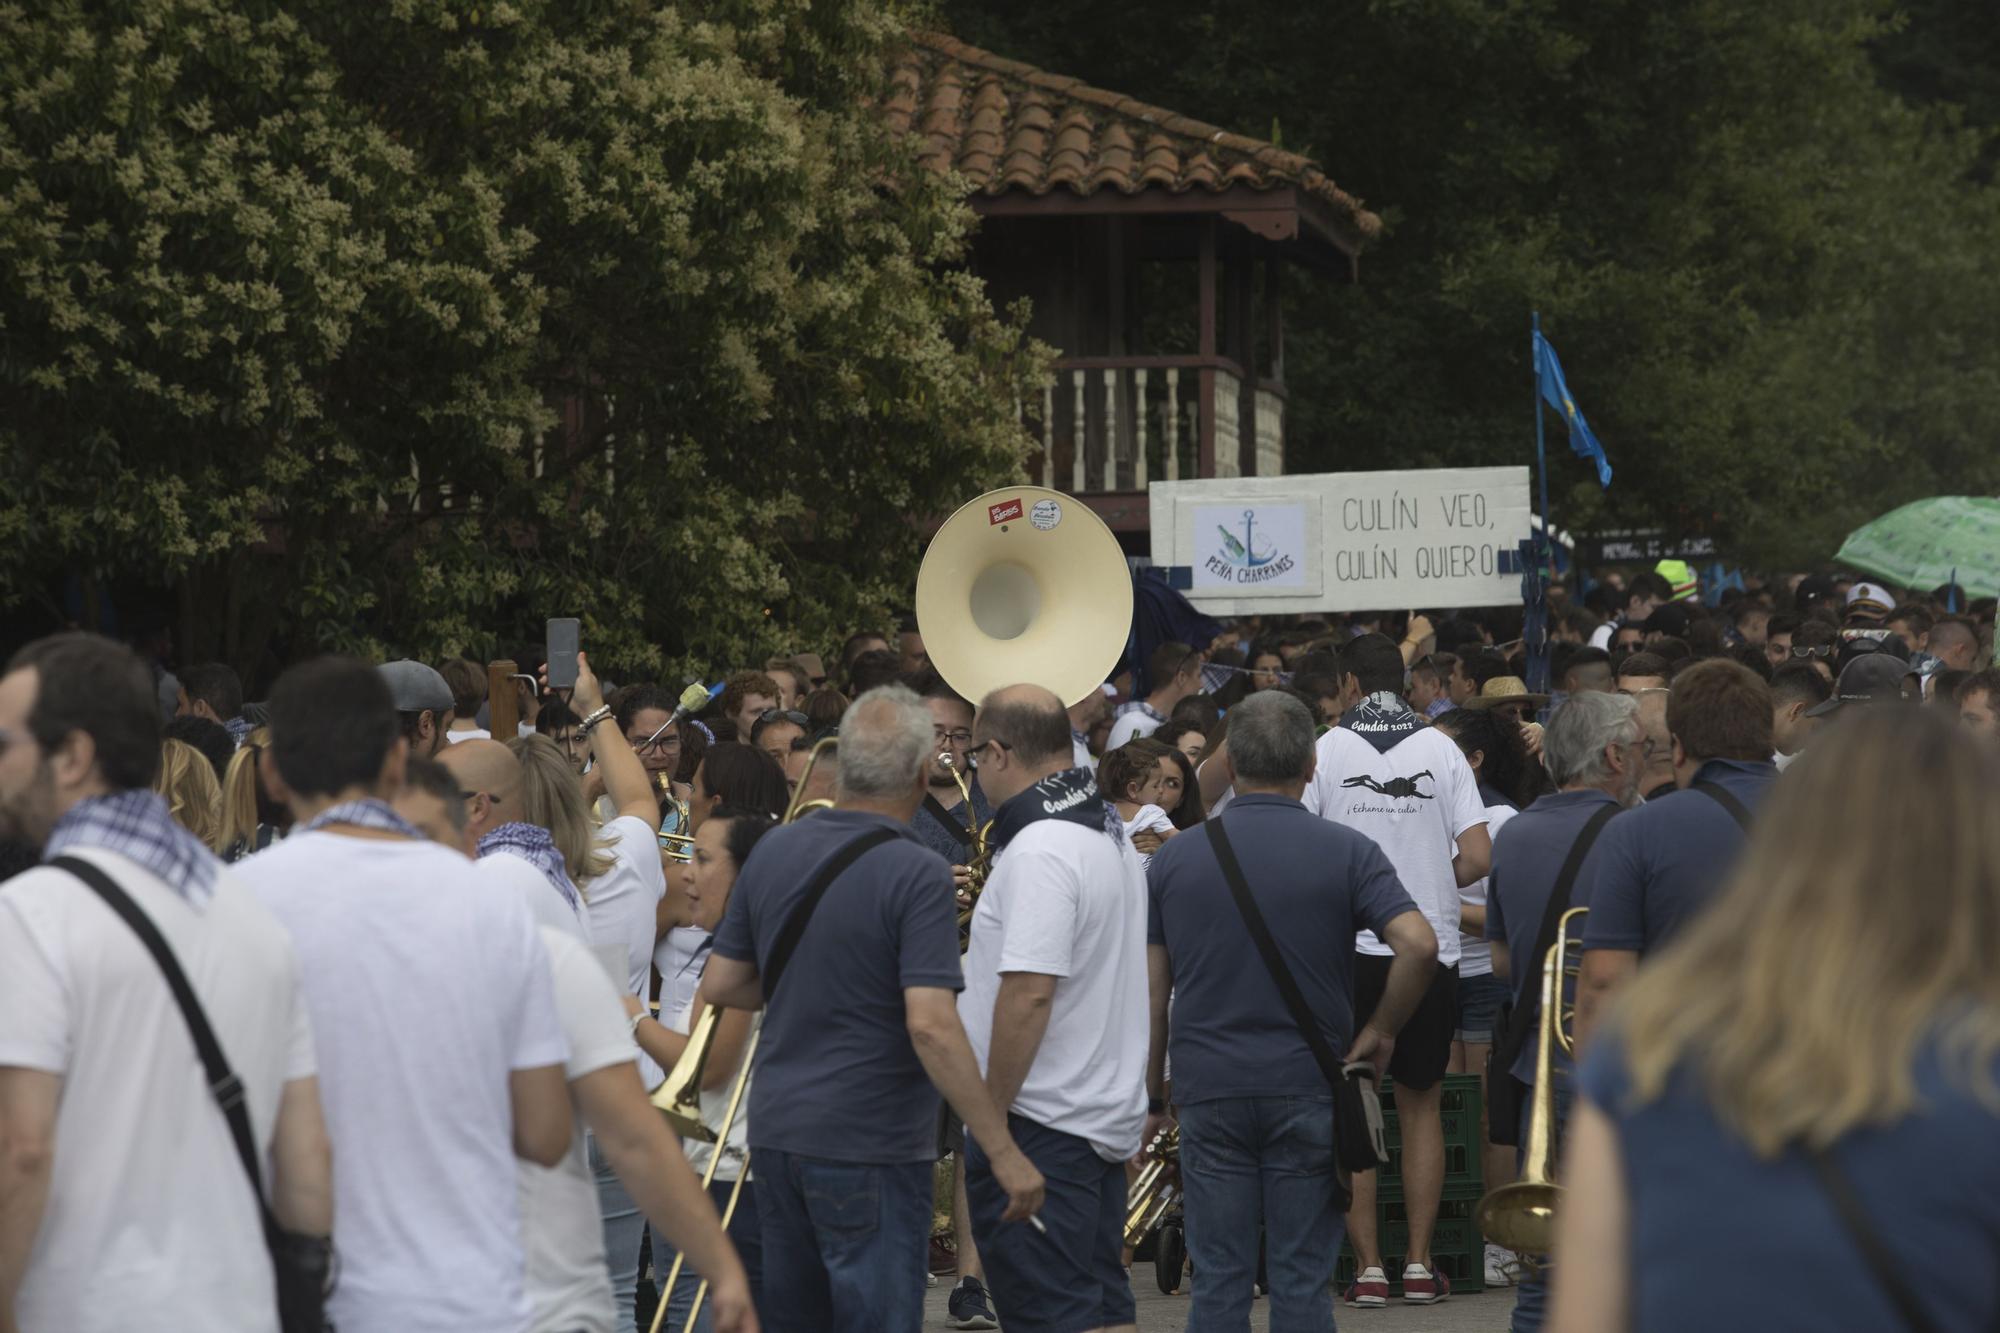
[503,701]
[1204,461]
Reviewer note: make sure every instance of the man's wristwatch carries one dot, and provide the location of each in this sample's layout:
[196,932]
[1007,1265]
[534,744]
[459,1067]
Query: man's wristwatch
[603,711]
[1156,1106]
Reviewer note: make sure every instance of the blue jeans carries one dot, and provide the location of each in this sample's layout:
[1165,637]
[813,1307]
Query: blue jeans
[1531,1293]
[845,1244]
[624,1227]
[1068,1276]
[744,1233]
[1247,1161]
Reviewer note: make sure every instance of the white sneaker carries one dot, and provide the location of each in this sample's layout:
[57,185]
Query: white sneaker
[1499,1266]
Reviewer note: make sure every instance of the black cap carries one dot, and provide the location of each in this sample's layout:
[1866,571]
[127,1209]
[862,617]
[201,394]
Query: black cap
[1872,678]
[1672,620]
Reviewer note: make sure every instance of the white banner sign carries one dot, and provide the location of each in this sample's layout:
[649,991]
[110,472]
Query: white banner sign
[1345,541]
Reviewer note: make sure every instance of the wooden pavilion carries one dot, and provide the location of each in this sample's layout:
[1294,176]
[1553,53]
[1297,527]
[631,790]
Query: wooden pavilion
[1151,247]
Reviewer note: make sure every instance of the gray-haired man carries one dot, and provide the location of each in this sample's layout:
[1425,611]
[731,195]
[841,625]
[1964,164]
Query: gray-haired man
[1255,1109]
[843,1118]
[1596,750]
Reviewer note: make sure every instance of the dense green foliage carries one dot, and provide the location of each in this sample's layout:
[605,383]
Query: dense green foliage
[396,328]
[1759,234]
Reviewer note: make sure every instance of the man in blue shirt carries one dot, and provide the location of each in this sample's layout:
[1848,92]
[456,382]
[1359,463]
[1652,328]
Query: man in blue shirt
[1595,750]
[1255,1109]
[1658,865]
[843,1114]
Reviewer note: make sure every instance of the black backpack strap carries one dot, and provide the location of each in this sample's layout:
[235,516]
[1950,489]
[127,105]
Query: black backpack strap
[1274,962]
[1523,1015]
[223,1084]
[936,809]
[1725,798]
[1854,1215]
[795,924]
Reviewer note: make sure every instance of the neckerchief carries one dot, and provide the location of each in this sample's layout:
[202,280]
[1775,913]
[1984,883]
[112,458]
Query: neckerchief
[1070,795]
[1141,706]
[1382,719]
[135,824]
[533,844]
[369,813]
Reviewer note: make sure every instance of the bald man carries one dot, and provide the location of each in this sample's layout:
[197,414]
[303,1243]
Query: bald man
[1055,1005]
[517,854]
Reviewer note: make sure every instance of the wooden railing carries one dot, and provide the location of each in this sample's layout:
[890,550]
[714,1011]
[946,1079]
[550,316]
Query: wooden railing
[1119,423]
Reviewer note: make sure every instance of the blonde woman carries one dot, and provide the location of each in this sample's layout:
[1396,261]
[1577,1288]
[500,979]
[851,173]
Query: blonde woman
[250,819]
[1789,1119]
[187,780]
[552,797]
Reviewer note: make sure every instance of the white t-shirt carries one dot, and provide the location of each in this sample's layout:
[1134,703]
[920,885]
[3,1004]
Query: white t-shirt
[625,899]
[426,990]
[1068,902]
[1149,818]
[1131,726]
[1601,636]
[1079,754]
[469,734]
[680,956]
[150,1221]
[544,901]
[1475,952]
[569,1288]
[1418,832]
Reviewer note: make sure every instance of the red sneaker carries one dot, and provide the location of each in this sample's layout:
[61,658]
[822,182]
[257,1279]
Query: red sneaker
[1369,1290]
[1424,1286]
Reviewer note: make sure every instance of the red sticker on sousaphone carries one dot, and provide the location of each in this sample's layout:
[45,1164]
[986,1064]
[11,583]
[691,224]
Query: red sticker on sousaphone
[1003,513]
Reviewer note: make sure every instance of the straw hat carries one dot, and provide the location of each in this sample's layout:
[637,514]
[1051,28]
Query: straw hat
[1505,690]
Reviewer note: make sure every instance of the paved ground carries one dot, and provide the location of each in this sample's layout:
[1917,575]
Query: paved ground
[1485,1312]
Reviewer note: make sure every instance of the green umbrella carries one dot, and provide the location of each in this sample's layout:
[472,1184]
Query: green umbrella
[1931,543]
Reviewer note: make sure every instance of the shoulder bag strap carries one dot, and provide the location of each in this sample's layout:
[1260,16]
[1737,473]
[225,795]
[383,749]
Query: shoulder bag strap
[946,818]
[1854,1216]
[1725,798]
[223,1084]
[795,924]
[1274,962]
[1523,1015]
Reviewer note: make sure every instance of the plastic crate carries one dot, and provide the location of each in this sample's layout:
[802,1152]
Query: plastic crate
[1459,1111]
[1457,1249]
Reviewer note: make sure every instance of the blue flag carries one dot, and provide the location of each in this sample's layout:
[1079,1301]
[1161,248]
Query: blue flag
[1549,378]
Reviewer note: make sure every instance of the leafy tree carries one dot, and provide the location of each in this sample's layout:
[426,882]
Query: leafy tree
[1764,261]
[396,328]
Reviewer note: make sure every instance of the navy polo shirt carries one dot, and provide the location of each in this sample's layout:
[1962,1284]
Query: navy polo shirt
[835,1034]
[1528,856]
[1316,883]
[1657,865]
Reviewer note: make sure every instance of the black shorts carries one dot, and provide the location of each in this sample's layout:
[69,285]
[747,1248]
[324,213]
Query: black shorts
[1423,1047]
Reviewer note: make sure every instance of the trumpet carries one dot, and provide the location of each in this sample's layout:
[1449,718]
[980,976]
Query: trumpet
[1522,1215]
[679,1098]
[980,863]
[678,843]
[1157,1189]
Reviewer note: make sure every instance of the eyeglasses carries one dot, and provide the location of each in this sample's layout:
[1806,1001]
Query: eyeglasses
[660,742]
[972,753]
[959,737]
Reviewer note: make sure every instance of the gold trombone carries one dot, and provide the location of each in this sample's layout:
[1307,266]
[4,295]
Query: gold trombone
[679,1098]
[1153,1195]
[1521,1215]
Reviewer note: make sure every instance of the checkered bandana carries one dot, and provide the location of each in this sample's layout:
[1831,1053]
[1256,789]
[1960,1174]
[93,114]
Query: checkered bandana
[136,825]
[532,843]
[370,813]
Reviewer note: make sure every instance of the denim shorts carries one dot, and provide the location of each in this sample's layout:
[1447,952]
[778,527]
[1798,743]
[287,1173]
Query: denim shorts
[1479,1001]
[1073,1277]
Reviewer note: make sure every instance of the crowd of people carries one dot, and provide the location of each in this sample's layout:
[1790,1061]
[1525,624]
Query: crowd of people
[450,951]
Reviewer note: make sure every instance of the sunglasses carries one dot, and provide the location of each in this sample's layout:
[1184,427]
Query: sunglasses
[791,715]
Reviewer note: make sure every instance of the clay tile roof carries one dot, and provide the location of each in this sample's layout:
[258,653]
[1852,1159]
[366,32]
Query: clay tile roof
[1004,125]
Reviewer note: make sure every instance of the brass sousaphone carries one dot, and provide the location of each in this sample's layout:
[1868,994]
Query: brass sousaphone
[1024,585]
